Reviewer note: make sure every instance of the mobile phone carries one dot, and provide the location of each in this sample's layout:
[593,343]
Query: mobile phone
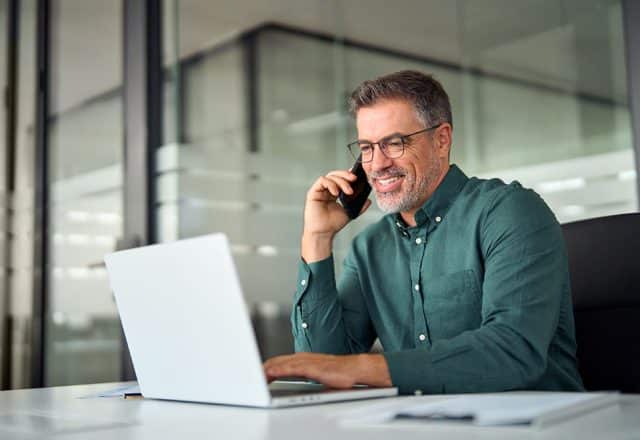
[353,203]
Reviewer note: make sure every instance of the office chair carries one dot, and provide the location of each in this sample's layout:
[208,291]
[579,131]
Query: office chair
[604,262]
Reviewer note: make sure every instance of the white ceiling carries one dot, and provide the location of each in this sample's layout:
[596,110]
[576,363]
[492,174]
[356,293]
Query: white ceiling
[576,45]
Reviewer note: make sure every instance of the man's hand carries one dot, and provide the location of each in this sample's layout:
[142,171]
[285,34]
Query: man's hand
[323,217]
[343,371]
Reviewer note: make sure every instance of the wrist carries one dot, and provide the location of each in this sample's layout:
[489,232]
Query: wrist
[316,247]
[373,370]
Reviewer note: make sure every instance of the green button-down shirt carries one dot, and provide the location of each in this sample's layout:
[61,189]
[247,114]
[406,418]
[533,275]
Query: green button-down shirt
[474,298]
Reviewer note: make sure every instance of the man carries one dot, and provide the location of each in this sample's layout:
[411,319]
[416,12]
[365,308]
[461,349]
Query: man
[464,281]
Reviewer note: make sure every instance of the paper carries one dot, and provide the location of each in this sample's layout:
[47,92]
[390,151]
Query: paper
[512,408]
[115,392]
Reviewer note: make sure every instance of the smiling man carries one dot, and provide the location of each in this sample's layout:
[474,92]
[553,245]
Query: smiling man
[464,281]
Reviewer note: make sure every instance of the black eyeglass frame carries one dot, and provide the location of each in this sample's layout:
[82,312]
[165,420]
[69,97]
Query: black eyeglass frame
[382,144]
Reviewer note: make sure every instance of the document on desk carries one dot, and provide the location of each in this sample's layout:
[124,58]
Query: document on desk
[122,391]
[537,409]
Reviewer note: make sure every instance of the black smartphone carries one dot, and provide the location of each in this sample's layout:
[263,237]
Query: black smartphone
[353,203]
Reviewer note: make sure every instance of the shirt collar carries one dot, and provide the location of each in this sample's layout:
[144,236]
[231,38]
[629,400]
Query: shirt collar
[436,207]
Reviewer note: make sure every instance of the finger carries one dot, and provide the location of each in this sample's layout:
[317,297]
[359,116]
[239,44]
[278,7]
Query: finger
[345,185]
[276,360]
[292,368]
[269,372]
[328,185]
[269,377]
[323,190]
[348,175]
[297,364]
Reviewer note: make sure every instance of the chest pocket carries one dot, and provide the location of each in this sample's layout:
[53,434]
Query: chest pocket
[453,304]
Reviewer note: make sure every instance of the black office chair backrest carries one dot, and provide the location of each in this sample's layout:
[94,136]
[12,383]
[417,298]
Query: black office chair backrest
[604,261]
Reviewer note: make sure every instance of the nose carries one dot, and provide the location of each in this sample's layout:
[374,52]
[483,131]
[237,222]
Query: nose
[379,161]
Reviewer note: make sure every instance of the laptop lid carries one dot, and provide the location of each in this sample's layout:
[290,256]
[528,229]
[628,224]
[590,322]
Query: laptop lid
[186,323]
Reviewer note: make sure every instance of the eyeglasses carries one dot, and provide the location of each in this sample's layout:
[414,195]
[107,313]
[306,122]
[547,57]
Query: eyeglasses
[392,146]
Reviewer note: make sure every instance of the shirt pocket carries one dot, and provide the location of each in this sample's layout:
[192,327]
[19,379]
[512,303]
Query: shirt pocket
[453,304]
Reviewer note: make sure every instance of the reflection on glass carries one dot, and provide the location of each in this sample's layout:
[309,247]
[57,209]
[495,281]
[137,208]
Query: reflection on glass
[4,302]
[22,221]
[85,192]
[261,115]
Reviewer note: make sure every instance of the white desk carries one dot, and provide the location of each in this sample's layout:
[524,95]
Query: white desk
[42,413]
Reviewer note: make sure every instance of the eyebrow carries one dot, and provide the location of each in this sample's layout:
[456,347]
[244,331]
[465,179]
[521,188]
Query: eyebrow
[396,134]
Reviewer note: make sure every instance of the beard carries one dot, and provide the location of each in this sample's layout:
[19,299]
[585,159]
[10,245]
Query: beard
[413,191]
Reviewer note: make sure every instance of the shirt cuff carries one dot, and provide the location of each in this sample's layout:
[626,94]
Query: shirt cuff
[417,371]
[314,279]
[412,372]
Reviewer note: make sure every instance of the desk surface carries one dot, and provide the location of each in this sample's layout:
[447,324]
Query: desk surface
[63,412]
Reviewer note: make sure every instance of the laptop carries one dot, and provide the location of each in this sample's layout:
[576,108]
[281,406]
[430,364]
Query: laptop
[189,332]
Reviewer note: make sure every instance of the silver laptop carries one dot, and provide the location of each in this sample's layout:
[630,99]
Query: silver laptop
[189,332]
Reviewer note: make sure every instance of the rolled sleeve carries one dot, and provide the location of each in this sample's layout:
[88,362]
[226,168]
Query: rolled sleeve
[315,281]
[326,319]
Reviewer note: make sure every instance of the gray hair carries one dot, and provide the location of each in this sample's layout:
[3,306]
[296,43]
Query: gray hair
[427,95]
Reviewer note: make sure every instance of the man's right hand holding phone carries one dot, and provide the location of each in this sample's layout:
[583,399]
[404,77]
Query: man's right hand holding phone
[323,216]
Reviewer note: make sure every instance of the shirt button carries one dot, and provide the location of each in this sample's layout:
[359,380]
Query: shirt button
[417,287]
[422,337]
[418,240]
[303,282]
[438,219]
[305,325]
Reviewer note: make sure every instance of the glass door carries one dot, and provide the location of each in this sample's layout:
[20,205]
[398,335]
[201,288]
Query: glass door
[83,342]
[4,146]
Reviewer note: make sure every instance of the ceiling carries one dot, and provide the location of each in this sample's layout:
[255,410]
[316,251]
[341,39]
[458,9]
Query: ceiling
[575,45]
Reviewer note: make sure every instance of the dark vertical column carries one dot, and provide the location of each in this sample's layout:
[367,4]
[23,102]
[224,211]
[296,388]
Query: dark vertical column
[142,124]
[180,88]
[10,145]
[13,31]
[631,21]
[41,202]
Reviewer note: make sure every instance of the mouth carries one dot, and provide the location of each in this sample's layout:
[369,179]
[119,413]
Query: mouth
[388,183]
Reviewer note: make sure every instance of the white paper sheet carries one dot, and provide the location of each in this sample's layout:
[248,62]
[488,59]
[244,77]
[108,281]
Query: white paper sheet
[115,392]
[512,408]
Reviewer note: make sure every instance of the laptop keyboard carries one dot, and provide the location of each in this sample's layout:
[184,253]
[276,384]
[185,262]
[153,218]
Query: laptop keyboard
[283,389]
[285,393]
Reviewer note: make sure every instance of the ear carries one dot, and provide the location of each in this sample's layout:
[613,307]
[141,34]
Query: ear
[442,139]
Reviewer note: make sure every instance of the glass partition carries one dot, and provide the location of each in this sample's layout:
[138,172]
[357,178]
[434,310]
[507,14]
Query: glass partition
[83,340]
[255,110]
[21,272]
[538,94]
[4,299]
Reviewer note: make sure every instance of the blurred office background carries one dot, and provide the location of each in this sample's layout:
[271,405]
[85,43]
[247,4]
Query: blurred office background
[136,121]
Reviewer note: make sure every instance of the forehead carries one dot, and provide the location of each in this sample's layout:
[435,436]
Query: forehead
[385,118]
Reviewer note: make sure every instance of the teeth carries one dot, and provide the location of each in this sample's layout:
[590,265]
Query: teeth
[387,181]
